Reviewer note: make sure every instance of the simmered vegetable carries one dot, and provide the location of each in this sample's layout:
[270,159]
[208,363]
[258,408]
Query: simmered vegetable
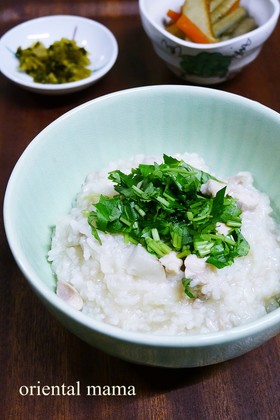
[62,62]
[208,21]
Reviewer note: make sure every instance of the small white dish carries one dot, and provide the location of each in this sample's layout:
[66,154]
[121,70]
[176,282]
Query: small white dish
[93,36]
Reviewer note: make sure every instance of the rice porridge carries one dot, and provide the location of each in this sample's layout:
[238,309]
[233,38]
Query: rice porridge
[119,282]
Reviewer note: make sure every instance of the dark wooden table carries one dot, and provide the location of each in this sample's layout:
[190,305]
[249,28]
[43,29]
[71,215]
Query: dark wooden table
[34,348]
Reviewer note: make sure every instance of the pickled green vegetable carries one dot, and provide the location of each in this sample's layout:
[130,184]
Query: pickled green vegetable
[62,62]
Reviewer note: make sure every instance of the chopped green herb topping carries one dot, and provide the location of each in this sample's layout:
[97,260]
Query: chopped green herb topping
[62,62]
[187,288]
[161,207]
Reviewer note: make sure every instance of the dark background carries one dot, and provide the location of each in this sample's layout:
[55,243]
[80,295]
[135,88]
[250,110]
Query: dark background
[33,346]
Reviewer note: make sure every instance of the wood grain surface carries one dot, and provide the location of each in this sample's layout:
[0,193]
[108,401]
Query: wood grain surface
[34,348]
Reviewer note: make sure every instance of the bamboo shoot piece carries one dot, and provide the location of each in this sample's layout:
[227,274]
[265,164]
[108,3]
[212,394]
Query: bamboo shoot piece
[246,25]
[224,24]
[223,9]
[214,4]
[198,12]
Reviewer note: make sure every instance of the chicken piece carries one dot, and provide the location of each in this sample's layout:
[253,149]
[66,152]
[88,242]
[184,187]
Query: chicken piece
[246,199]
[143,264]
[171,263]
[194,266]
[211,187]
[69,294]
[240,187]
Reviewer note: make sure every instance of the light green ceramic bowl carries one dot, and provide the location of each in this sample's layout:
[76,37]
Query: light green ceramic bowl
[230,132]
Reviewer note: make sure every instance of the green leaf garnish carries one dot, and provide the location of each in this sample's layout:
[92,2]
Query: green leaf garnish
[187,288]
[161,207]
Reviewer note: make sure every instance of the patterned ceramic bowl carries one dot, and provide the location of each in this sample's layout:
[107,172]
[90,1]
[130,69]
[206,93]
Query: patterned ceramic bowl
[208,64]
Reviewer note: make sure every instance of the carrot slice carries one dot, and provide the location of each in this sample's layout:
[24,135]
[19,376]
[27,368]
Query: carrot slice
[192,31]
[174,16]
